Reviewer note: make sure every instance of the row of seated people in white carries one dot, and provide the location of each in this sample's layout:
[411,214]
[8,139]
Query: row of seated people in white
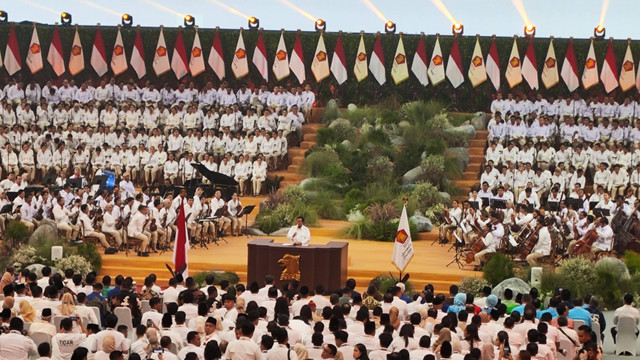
[571,106]
[183,117]
[198,142]
[542,129]
[580,156]
[15,92]
[138,156]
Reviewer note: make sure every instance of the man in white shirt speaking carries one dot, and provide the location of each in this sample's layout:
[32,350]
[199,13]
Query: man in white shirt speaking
[299,234]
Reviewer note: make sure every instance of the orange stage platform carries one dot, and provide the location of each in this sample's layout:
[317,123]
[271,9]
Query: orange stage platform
[367,259]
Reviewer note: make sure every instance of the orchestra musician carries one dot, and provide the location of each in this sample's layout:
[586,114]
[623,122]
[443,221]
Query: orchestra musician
[491,241]
[86,226]
[223,222]
[61,216]
[28,211]
[604,242]
[453,218]
[167,218]
[542,247]
[160,233]
[109,225]
[136,229]
[233,208]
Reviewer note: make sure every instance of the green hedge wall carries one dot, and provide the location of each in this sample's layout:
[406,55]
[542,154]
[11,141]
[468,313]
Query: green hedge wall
[465,98]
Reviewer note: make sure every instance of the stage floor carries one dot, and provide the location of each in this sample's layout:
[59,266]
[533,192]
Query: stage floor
[367,259]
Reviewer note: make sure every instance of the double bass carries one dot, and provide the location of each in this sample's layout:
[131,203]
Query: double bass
[478,243]
[583,245]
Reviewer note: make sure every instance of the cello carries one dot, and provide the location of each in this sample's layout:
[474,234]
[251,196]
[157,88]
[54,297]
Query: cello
[478,243]
[583,245]
[529,243]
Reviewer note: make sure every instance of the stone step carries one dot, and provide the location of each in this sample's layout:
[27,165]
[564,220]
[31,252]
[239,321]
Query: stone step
[293,168]
[296,151]
[477,142]
[307,144]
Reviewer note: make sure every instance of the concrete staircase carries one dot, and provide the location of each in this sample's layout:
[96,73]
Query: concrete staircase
[292,175]
[471,175]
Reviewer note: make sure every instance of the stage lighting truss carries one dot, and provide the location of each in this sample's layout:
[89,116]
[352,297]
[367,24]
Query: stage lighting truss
[390,27]
[529,31]
[189,21]
[457,29]
[254,23]
[65,19]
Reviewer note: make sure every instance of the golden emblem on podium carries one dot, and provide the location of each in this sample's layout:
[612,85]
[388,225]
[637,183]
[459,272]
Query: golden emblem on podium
[290,267]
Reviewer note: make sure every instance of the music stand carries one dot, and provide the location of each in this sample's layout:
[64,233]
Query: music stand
[498,204]
[592,204]
[458,245]
[574,203]
[475,205]
[75,183]
[245,211]
[442,220]
[485,202]
[599,212]
[217,236]
[553,206]
[11,195]
[6,209]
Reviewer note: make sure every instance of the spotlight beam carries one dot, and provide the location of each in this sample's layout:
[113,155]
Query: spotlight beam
[443,9]
[299,10]
[100,7]
[603,12]
[163,8]
[230,9]
[42,7]
[375,10]
[523,12]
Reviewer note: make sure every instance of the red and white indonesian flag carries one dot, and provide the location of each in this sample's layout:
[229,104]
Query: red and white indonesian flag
[281,61]
[296,64]
[98,54]
[402,246]
[179,59]
[260,58]
[550,70]
[514,71]
[360,67]
[54,57]
[569,70]
[34,56]
[609,73]
[399,69]
[590,73]
[76,59]
[493,65]
[477,71]
[240,63]
[12,54]
[419,65]
[436,65]
[628,71]
[181,244]
[530,68]
[161,56]
[376,65]
[216,58]
[118,56]
[137,56]
[320,63]
[196,61]
[454,65]
[339,62]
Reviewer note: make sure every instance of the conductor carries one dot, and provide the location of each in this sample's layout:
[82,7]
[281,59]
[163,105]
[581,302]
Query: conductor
[299,234]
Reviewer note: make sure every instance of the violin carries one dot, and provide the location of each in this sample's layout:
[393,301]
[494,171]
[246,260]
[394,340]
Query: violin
[478,243]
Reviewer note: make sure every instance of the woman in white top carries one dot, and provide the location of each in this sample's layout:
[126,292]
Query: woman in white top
[233,207]
[405,339]
[242,172]
[259,174]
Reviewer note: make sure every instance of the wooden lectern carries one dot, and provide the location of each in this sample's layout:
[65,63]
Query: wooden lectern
[311,265]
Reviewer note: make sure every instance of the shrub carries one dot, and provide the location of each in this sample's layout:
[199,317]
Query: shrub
[317,161]
[90,252]
[384,282]
[343,131]
[550,282]
[327,208]
[440,121]
[336,174]
[275,199]
[607,286]
[269,221]
[579,275]
[272,183]
[381,231]
[24,256]
[351,199]
[379,168]
[17,233]
[632,259]
[326,136]
[303,209]
[378,137]
[330,112]
[294,194]
[430,213]
[359,116]
[433,169]
[359,225]
[219,276]
[472,285]
[382,212]
[498,268]
[426,195]
[79,264]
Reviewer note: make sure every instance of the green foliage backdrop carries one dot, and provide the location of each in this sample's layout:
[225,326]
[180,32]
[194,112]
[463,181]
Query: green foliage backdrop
[465,98]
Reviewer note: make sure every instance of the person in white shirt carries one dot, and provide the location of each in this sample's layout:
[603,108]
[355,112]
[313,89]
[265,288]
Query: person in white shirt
[66,341]
[14,345]
[299,234]
[605,237]
[259,174]
[627,310]
[136,229]
[244,348]
[61,216]
[109,225]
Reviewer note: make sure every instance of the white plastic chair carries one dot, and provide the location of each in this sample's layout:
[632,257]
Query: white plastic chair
[124,318]
[595,326]
[145,306]
[626,337]
[96,311]
[566,347]
[577,324]
[39,338]
[57,320]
